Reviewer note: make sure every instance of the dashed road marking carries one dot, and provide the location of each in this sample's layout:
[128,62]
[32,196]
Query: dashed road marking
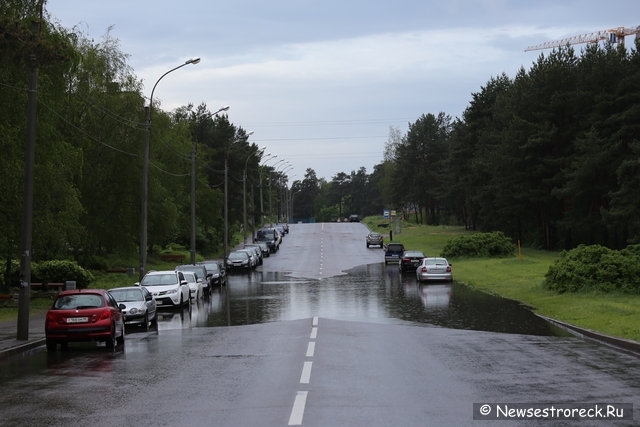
[311,348]
[297,412]
[314,333]
[306,373]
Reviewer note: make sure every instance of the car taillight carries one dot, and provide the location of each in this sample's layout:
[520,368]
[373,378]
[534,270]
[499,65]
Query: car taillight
[448,269]
[406,259]
[50,318]
[424,269]
[106,314]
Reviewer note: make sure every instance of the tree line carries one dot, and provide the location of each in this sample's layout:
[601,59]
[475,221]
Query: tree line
[549,157]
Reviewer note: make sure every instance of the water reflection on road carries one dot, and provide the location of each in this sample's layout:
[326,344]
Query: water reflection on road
[372,293]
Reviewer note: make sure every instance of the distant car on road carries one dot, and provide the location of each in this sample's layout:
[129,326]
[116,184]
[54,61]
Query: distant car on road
[216,272]
[271,237]
[410,260]
[201,275]
[196,290]
[140,307]
[393,252]
[434,269]
[375,239]
[84,315]
[354,218]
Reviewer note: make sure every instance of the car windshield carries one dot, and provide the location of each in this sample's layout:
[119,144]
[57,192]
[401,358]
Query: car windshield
[374,235]
[438,261]
[78,301]
[127,295]
[210,266]
[392,247]
[160,279]
[266,235]
[191,268]
[238,255]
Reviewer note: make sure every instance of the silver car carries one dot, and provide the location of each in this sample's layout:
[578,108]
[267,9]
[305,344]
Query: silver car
[140,306]
[434,269]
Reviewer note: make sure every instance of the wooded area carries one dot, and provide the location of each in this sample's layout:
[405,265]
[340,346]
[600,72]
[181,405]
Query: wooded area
[549,157]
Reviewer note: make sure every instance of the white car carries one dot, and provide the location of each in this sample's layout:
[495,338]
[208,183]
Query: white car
[196,289]
[169,288]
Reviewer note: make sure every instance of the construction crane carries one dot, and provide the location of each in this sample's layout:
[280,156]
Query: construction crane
[615,35]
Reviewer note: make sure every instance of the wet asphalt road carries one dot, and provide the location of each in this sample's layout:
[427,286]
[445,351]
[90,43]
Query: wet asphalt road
[300,342]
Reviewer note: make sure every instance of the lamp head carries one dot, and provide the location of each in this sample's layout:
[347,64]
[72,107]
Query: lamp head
[193,61]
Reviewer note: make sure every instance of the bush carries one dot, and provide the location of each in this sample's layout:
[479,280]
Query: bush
[480,245]
[60,271]
[596,268]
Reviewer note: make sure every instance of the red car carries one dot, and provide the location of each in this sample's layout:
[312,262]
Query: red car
[84,315]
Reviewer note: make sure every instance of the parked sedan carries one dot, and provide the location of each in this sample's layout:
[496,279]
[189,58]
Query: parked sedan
[216,272]
[256,250]
[375,239]
[140,307]
[84,315]
[252,255]
[410,260]
[434,269]
[169,287]
[239,260]
[201,274]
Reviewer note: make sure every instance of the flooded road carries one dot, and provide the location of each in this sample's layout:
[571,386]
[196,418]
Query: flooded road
[374,293]
[323,334]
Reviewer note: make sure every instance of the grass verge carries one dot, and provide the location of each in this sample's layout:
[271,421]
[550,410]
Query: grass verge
[612,314]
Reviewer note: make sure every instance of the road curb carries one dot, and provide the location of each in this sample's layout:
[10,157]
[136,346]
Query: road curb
[21,348]
[621,343]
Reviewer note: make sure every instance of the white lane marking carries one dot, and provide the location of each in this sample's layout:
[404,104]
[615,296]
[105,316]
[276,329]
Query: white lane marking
[297,412]
[314,322]
[314,333]
[306,373]
[311,348]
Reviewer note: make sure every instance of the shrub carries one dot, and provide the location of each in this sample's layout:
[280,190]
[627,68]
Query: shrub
[596,268]
[60,271]
[481,245]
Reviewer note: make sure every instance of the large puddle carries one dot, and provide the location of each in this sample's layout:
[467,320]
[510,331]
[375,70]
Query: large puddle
[373,293]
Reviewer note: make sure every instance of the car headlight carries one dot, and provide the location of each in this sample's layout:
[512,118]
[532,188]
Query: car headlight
[172,291]
[133,311]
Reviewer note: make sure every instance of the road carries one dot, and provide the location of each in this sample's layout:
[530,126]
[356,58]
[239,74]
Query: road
[314,338]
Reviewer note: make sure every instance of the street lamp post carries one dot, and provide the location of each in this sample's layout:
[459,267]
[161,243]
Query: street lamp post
[244,191]
[283,194]
[145,172]
[261,203]
[193,188]
[270,196]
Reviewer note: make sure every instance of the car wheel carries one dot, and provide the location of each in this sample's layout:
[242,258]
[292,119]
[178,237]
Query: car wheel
[120,339]
[51,345]
[154,321]
[367,246]
[109,342]
[145,322]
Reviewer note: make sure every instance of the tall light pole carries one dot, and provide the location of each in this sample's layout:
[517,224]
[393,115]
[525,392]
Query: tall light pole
[261,204]
[293,194]
[193,187]
[270,196]
[244,191]
[145,172]
[282,190]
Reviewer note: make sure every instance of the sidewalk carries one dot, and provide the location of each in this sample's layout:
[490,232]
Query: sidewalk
[10,345]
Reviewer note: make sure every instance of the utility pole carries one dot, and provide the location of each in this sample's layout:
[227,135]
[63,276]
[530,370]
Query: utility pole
[24,294]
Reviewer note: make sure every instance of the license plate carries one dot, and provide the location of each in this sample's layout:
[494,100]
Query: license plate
[77,319]
[158,302]
[437,270]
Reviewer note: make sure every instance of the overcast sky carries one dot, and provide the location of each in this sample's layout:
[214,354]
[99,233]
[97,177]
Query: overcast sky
[320,82]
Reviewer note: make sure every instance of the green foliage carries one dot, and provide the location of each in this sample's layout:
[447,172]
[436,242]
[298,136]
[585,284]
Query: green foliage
[596,268]
[480,245]
[60,271]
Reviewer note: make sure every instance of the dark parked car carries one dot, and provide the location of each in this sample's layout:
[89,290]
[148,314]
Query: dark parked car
[239,260]
[410,260]
[393,252]
[285,226]
[262,247]
[354,218]
[270,236]
[84,315]
[216,272]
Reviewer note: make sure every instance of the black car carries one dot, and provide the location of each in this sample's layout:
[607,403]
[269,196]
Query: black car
[216,272]
[262,247]
[393,252]
[354,218]
[270,236]
[410,260]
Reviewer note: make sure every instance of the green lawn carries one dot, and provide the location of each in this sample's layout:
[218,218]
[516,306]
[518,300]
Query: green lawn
[521,280]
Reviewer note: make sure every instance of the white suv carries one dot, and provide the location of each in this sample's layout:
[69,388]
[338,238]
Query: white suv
[169,288]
